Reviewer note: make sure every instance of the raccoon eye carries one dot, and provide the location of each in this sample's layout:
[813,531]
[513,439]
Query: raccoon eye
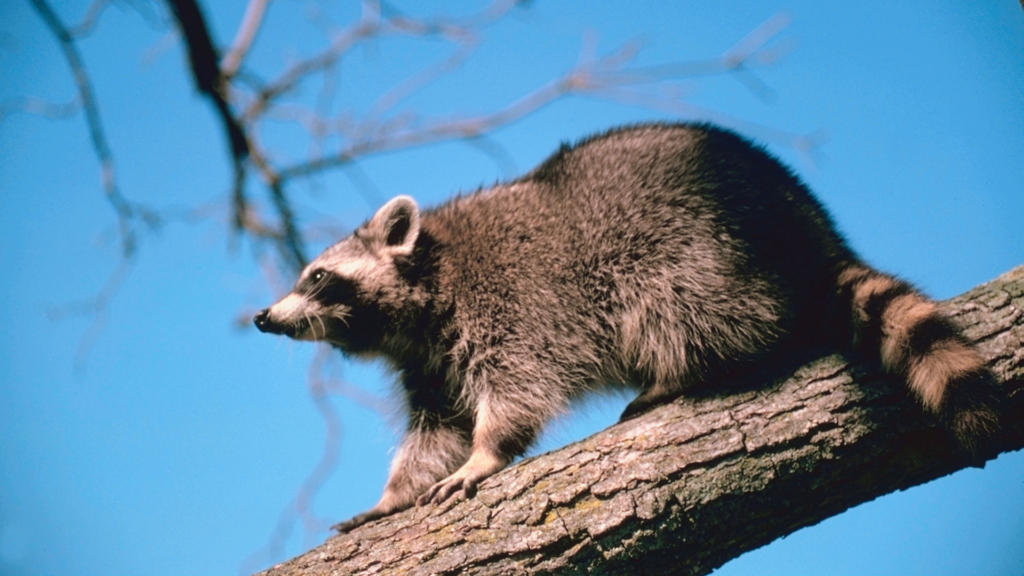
[332,290]
[317,275]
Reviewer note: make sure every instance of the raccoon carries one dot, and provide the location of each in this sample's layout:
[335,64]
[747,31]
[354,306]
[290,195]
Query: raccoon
[659,257]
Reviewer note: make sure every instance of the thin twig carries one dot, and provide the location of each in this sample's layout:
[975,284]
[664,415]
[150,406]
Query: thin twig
[321,388]
[805,143]
[38,107]
[87,97]
[251,22]
[496,152]
[298,72]
[466,44]
[292,244]
[161,47]
[91,18]
[370,25]
[363,184]
[96,308]
[442,130]
[288,240]
[591,76]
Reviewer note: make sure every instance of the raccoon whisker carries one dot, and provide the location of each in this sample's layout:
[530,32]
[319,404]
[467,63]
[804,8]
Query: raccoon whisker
[341,317]
[309,323]
[323,327]
[312,326]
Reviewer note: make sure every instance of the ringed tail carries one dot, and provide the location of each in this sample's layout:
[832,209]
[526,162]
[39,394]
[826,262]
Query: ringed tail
[917,343]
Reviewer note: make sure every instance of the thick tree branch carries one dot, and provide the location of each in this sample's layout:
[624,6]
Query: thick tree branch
[205,65]
[688,486]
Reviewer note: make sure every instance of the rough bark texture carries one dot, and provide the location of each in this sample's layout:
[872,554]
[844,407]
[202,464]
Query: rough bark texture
[688,486]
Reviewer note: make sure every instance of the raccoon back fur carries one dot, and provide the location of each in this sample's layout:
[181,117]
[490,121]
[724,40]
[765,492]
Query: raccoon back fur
[659,257]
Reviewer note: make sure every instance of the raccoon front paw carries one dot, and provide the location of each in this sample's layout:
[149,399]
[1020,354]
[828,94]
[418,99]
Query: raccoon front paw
[465,479]
[449,487]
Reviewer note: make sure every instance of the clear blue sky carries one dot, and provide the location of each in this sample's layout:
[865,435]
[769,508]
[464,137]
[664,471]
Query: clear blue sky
[179,447]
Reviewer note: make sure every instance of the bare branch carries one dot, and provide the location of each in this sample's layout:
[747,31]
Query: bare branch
[288,240]
[292,249]
[251,21]
[805,143]
[161,47]
[206,70]
[295,74]
[38,107]
[465,33]
[604,77]
[385,127]
[96,308]
[211,82]
[91,18]
[496,152]
[321,387]
[758,37]
[371,24]
[491,13]
[466,45]
[87,97]
[363,185]
[438,132]
[750,51]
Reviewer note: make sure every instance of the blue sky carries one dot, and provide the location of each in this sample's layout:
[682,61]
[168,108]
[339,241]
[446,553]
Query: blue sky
[184,439]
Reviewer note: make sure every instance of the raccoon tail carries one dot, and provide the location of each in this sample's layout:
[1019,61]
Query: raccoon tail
[914,341]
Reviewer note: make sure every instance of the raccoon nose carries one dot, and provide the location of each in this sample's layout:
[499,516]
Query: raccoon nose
[265,324]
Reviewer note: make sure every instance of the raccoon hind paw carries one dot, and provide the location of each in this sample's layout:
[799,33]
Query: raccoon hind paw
[358,520]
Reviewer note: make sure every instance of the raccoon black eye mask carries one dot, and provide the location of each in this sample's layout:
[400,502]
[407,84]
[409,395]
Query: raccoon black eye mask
[659,256]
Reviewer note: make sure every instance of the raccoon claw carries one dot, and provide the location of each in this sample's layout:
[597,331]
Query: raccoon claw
[447,488]
[479,466]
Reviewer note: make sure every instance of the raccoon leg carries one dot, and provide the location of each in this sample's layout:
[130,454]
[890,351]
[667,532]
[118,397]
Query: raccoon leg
[429,451]
[502,431]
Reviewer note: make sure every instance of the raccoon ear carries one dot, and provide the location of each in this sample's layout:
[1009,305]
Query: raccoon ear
[397,225]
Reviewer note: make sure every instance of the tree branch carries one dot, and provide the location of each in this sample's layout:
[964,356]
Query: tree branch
[339,138]
[204,62]
[212,82]
[688,486]
[87,96]
[251,22]
[607,77]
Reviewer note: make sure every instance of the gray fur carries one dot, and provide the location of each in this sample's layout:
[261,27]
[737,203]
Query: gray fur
[658,257]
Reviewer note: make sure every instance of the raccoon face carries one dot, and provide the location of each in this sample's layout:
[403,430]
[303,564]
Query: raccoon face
[349,295]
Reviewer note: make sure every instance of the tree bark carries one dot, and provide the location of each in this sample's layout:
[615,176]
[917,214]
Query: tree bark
[691,485]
